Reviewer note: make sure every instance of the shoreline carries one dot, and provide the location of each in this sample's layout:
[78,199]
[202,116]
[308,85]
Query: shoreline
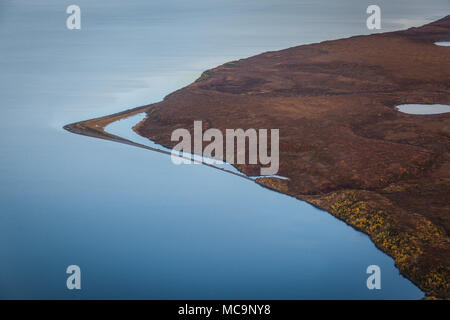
[95,128]
[347,151]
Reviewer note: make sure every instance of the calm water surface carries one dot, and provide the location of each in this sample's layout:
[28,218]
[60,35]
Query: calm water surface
[424,108]
[137,225]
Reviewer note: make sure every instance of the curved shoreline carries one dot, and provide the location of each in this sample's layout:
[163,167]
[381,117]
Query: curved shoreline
[387,161]
[95,128]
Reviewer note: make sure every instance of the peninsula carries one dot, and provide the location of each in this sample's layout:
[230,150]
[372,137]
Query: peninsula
[343,145]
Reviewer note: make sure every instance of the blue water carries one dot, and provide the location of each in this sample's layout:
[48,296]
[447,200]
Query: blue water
[423,108]
[137,225]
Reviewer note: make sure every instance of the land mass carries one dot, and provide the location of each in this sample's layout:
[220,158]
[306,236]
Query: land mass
[343,145]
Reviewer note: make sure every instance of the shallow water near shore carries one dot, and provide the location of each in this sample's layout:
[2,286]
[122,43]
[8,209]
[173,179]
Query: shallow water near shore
[138,226]
[122,127]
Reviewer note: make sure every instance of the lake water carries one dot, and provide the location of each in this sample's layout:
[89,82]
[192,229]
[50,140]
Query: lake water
[137,225]
[423,108]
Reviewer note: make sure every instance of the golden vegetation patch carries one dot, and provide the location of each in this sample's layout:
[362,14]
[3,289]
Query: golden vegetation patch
[274,183]
[406,245]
